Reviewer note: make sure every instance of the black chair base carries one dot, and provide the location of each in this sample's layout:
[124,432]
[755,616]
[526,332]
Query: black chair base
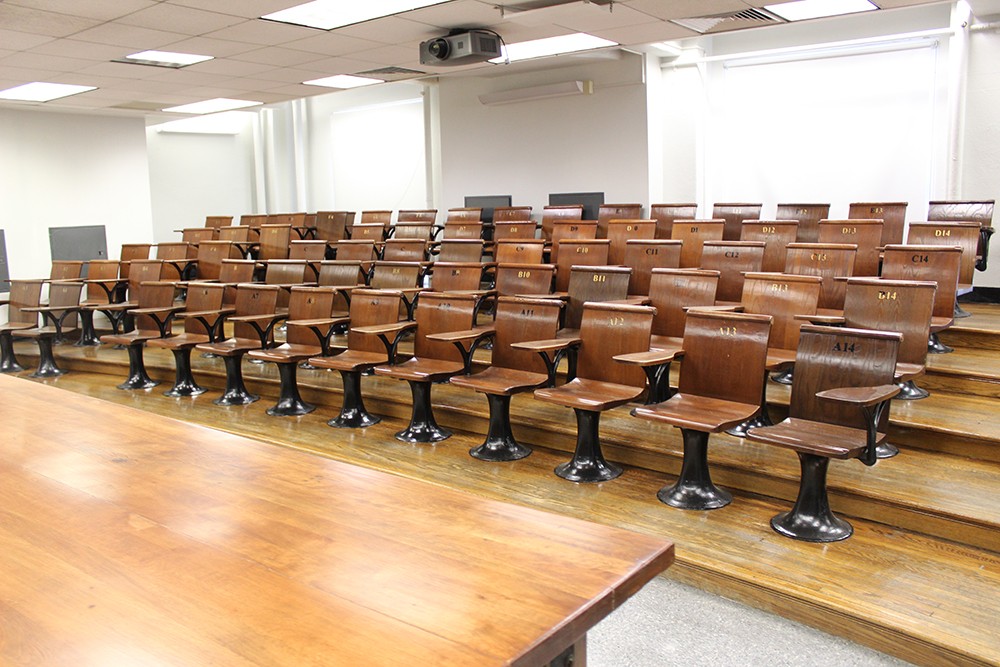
[908,391]
[88,334]
[886,450]
[137,376]
[8,362]
[422,428]
[694,489]
[500,444]
[184,382]
[658,381]
[290,403]
[810,519]
[784,377]
[588,463]
[352,411]
[236,392]
[762,418]
[961,312]
[47,367]
[935,346]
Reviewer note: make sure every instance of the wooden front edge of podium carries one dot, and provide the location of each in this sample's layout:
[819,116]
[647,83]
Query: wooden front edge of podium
[130,538]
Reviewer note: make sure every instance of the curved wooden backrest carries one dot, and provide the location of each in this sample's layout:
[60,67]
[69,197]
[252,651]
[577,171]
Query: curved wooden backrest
[460,250]
[396,275]
[468,214]
[253,221]
[694,233]
[332,225]
[293,219]
[513,279]
[286,272]
[904,306]
[829,261]
[66,269]
[174,251]
[196,235]
[253,299]
[608,212]
[340,273]
[24,294]
[724,355]
[608,330]
[892,215]
[528,251]
[99,269]
[511,214]
[732,259]
[834,358]
[666,214]
[808,217]
[376,217]
[642,256]
[782,296]
[367,231]
[153,294]
[369,308]
[592,284]
[734,215]
[274,242]
[235,234]
[520,320]
[673,291]
[218,221]
[202,297]
[619,231]
[141,271]
[131,251]
[210,256]
[865,234]
[404,250]
[361,250]
[235,272]
[462,229]
[564,230]
[552,213]
[456,276]
[507,230]
[937,263]
[422,215]
[579,252]
[413,230]
[776,235]
[980,211]
[66,295]
[963,234]
[308,303]
[439,312]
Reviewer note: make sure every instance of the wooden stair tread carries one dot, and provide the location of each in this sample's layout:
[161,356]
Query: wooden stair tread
[968,362]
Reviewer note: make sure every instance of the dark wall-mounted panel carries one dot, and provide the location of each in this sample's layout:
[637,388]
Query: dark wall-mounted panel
[487,203]
[591,201]
[78,243]
[4,269]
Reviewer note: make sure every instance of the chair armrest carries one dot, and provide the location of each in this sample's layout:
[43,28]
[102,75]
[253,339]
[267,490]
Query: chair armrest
[48,309]
[262,324]
[718,309]
[251,319]
[860,396]
[546,345]
[383,331]
[828,320]
[156,311]
[474,338]
[651,358]
[564,296]
[207,313]
[545,348]
[323,322]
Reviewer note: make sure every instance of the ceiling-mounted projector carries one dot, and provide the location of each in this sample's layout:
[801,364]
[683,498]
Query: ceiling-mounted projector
[460,48]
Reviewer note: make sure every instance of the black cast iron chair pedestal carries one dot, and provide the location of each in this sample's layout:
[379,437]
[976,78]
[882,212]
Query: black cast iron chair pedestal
[909,391]
[88,334]
[290,403]
[423,428]
[8,362]
[138,378]
[811,519]
[762,418]
[694,489]
[588,463]
[500,444]
[352,410]
[236,391]
[47,367]
[184,382]
[935,346]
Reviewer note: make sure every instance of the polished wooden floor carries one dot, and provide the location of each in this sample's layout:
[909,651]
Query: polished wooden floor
[919,579]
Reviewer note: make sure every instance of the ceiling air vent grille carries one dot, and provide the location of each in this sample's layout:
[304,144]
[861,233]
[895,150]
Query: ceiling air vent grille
[747,18]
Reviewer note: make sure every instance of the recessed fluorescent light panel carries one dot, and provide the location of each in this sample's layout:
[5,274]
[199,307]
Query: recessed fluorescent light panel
[814,9]
[343,81]
[330,14]
[163,59]
[213,106]
[40,91]
[551,46]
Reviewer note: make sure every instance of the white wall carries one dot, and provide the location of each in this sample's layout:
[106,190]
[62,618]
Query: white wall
[67,170]
[583,143]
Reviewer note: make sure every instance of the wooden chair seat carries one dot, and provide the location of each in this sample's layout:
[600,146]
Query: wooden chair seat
[16,326]
[419,369]
[779,358]
[939,324]
[906,371]
[351,360]
[40,332]
[501,381]
[657,342]
[180,341]
[231,347]
[587,394]
[818,438]
[699,413]
[286,352]
[131,338]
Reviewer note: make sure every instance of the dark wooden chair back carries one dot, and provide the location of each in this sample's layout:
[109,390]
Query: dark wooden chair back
[196,235]
[293,219]
[776,235]
[457,276]
[466,214]
[341,273]
[734,215]
[359,250]
[286,272]
[232,273]
[565,230]
[131,251]
[552,213]
[66,295]
[175,251]
[835,358]
[413,215]
[511,214]
[396,275]
[529,251]
[218,221]
[666,214]
[514,279]
[376,217]
[142,271]
[254,221]
[66,270]
[460,250]
[724,355]
[892,215]
[331,226]
[620,231]
[253,299]
[608,330]
[519,320]
[514,230]
[440,312]
[673,291]
[642,256]
[367,231]
[904,306]
[202,297]
[105,270]
[594,283]
[579,252]
[404,250]
[210,256]
[865,234]
[314,251]
[154,294]
[937,263]
[980,211]
[274,242]
[370,308]
[235,234]
[808,217]
[693,234]
[422,231]
[308,303]
[608,212]
[829,261]
[965,235]
[462,229]
[24,294]
[782,296]
[732,259]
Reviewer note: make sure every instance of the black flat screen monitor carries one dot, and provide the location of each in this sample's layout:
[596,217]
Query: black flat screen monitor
[591,202]
[487,203]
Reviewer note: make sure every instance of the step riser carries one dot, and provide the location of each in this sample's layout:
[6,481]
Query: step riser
[967,339]
[959,384]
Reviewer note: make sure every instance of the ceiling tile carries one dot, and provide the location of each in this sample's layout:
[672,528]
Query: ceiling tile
[187,77]
[391,30]
[52,63]
[279,57]
[218,48]
[332,44]
[25,19]
[331,66]
[246,84]
[651,32]
[686,8]
[20,41]
[596,18]
[120,70]
[211,92]
[23,74]
[128,36]
[102,10]
[74,48]
[181,19]
[392,55]
[267,33]
[229,67]
[297,91]
[288,75]
[246,8]
[457,14]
